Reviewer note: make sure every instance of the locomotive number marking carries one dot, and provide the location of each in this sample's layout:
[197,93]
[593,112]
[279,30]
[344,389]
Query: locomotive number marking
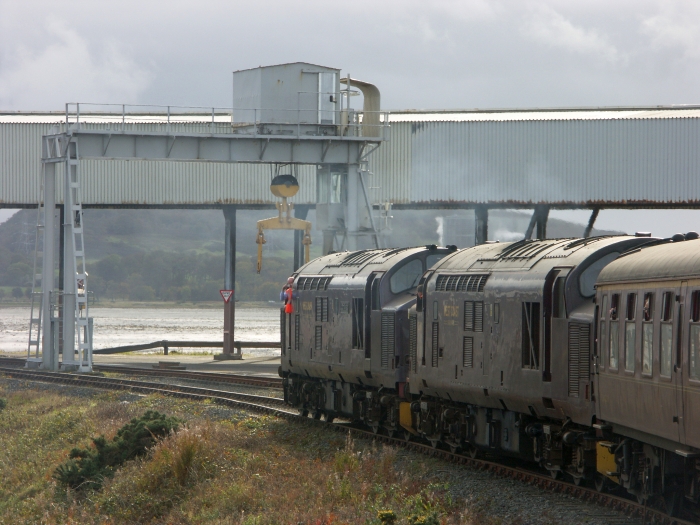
[451,310]
[307,306]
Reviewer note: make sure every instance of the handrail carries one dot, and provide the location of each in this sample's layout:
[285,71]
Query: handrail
[347,122]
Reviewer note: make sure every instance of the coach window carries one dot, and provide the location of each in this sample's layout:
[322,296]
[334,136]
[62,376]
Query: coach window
[695,337]
[647,333]
[630,332]
[614,330]
[665,357]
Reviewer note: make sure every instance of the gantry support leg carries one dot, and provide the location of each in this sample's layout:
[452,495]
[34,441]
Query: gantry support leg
[61,269]
[542,217]
[481,224]
[230,350]
[352,219]
[49,346]
[539,220]
[300,212]
[591,222]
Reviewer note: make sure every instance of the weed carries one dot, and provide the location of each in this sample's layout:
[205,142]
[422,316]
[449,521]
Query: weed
[3,403]
[88,467]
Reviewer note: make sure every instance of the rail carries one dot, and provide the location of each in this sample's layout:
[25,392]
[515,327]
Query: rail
[166,345]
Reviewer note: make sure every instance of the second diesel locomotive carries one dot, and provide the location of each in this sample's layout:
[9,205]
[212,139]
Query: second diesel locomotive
[496,348]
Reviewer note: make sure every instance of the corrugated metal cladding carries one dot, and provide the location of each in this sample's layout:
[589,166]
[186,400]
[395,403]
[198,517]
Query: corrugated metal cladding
[615,158]
[112,182]
[572,161]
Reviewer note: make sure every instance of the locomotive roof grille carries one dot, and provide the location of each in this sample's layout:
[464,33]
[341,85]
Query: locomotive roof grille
[528,248]
[460,283]
[313,283]
[358,258]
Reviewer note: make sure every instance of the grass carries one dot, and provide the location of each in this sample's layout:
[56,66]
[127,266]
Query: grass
[221,467]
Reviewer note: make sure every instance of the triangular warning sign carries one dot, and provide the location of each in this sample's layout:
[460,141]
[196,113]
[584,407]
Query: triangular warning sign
[226,294]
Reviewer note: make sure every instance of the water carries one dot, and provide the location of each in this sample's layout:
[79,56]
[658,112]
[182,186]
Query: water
[130,326]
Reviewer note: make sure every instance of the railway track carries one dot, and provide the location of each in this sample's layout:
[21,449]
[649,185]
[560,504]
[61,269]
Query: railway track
[273,406]
[213,377]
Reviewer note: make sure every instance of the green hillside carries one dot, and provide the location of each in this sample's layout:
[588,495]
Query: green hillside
[178,255]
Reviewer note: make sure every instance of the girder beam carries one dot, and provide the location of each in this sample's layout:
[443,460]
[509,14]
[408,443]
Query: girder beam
[229,147]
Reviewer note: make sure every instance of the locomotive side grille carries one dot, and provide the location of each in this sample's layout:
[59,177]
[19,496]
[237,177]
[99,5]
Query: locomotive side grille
[313,283]
[322,309]
[413,342]
[579,356]
[460,283]
[473,316]
[297,326]
[469,316]
[435,344]
[468,352]
[319,338]
[479,316]
[388,320]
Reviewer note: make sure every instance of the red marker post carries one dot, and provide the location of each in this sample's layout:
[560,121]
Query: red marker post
[230,351]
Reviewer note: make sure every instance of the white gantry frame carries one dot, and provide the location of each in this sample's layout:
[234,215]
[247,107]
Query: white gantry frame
[78,142]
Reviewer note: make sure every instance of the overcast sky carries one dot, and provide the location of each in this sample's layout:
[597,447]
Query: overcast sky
[421,55]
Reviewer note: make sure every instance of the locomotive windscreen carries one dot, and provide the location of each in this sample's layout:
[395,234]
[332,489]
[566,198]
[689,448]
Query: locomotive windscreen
[586,281]
[407,276]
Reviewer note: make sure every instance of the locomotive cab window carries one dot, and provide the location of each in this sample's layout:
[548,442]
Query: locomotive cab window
[431,260]
[647,333]
[666,343]
[406,277]
[614,331]
[531,336]
[630,332]
[694,357]
[558,303]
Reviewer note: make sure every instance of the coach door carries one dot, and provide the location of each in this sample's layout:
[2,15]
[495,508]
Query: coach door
[679,370]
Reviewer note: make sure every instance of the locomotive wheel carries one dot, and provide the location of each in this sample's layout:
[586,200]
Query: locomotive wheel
[641,498]
[578,481]
[473,451]
[375,428]
[316,414]
[601,482]
[304,412]
[434,443]
[328,418]
[454,448]
[407,436]
[555,474]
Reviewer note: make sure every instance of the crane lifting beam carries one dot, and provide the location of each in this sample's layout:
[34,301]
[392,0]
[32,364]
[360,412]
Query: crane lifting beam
[283,186]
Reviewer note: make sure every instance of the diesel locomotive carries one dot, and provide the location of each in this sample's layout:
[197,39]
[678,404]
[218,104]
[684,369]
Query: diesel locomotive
[582,355]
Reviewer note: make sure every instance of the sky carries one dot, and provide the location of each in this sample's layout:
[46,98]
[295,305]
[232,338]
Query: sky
[441,54]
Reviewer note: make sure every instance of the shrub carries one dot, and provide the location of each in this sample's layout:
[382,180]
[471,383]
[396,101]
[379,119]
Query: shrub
[88,467]
[3,403]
